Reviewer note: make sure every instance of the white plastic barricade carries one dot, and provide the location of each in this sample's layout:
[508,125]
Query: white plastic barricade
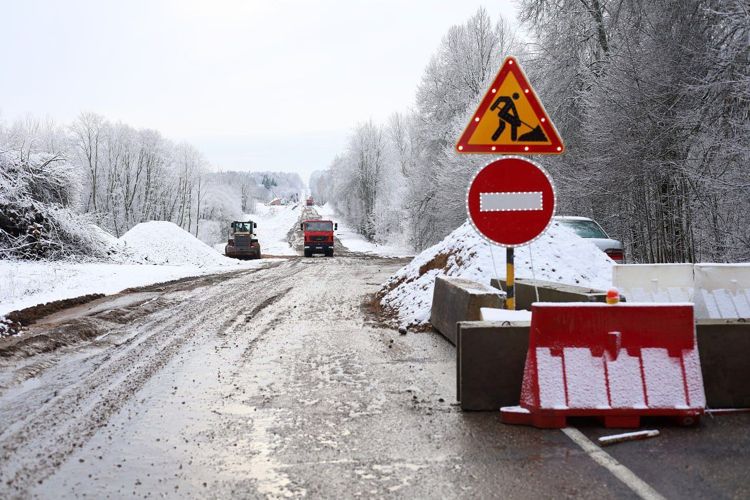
[722,291]
[663,283]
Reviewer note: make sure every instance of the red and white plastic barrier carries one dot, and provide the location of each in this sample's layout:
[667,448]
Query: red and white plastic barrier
[619,362]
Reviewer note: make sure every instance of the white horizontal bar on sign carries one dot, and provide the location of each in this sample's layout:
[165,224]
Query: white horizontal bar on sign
[510,201]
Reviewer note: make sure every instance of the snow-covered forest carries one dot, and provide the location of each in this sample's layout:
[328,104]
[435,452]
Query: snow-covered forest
[651,98]
[57,180]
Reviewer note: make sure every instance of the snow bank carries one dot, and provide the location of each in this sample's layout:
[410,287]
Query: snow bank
[150,252]
[355,242]
[560,256]
[159,242]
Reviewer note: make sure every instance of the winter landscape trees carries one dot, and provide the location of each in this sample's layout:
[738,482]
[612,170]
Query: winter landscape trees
[407,164]
[652,110]
[650,98]
[57,180]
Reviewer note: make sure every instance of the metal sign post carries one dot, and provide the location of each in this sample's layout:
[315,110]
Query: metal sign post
[510,280]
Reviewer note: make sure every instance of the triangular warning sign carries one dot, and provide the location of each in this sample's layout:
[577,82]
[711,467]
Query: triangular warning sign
[510,119]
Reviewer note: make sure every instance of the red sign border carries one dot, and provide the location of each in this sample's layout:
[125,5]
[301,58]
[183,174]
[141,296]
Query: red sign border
[554,202]
[510,64]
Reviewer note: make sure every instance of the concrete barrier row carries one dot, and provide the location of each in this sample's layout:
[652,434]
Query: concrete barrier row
[724,350]
[457,299]
[490,355]
[526,291]
[489,364]
[490,358]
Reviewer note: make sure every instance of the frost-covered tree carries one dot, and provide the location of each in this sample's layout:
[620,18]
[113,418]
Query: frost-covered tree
[654,112]
[38,196]
[404,180]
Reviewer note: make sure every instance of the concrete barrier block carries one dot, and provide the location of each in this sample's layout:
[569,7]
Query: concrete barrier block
[457,299]
[664,283]
[549,291]
[722,291]
[724,349]
[489,364]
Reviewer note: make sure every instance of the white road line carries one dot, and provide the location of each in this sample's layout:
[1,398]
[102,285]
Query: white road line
[510,201]
[639,487]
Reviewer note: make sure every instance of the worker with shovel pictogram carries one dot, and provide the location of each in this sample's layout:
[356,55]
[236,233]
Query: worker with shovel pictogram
[508,115]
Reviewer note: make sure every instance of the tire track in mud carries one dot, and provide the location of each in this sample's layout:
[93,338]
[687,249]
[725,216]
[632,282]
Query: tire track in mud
[34,446]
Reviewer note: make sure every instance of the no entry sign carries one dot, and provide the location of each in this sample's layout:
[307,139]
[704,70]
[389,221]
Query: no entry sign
[511,201]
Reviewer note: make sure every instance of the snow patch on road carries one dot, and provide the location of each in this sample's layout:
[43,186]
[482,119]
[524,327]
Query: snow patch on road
[559,256]
[355,242]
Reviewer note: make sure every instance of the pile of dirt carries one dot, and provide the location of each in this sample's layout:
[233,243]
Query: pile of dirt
[14,321]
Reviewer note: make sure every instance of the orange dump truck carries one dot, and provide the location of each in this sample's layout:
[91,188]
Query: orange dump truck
[318,236]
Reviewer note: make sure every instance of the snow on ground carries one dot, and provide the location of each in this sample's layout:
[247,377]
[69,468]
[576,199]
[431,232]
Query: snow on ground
[559,255]
[356,242]
[150,252]
[24,284]
[274,222]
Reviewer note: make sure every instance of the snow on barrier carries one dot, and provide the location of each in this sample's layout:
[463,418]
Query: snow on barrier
[457,299]
[617,362]
[719,291]
[722,291]
[654,282]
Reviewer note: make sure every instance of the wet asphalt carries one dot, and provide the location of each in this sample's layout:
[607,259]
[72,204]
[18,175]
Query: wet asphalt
[276,383]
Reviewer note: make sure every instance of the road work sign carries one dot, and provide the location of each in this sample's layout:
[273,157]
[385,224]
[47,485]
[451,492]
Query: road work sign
[511,201]
[510,119]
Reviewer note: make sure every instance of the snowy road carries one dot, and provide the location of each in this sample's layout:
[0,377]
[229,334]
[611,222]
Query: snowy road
[275,382]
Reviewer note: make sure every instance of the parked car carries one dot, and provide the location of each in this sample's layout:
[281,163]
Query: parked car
[591,230]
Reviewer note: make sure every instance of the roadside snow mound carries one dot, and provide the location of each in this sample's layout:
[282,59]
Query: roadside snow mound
[159,242]
[560,255]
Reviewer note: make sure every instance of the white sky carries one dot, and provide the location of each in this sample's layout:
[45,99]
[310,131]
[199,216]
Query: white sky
[255,85]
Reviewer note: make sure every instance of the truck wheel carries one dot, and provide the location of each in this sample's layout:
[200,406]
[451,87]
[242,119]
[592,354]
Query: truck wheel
[308,253]
[329,252]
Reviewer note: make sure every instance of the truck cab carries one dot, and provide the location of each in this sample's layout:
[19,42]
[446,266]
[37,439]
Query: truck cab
[243,243]
[318,235]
